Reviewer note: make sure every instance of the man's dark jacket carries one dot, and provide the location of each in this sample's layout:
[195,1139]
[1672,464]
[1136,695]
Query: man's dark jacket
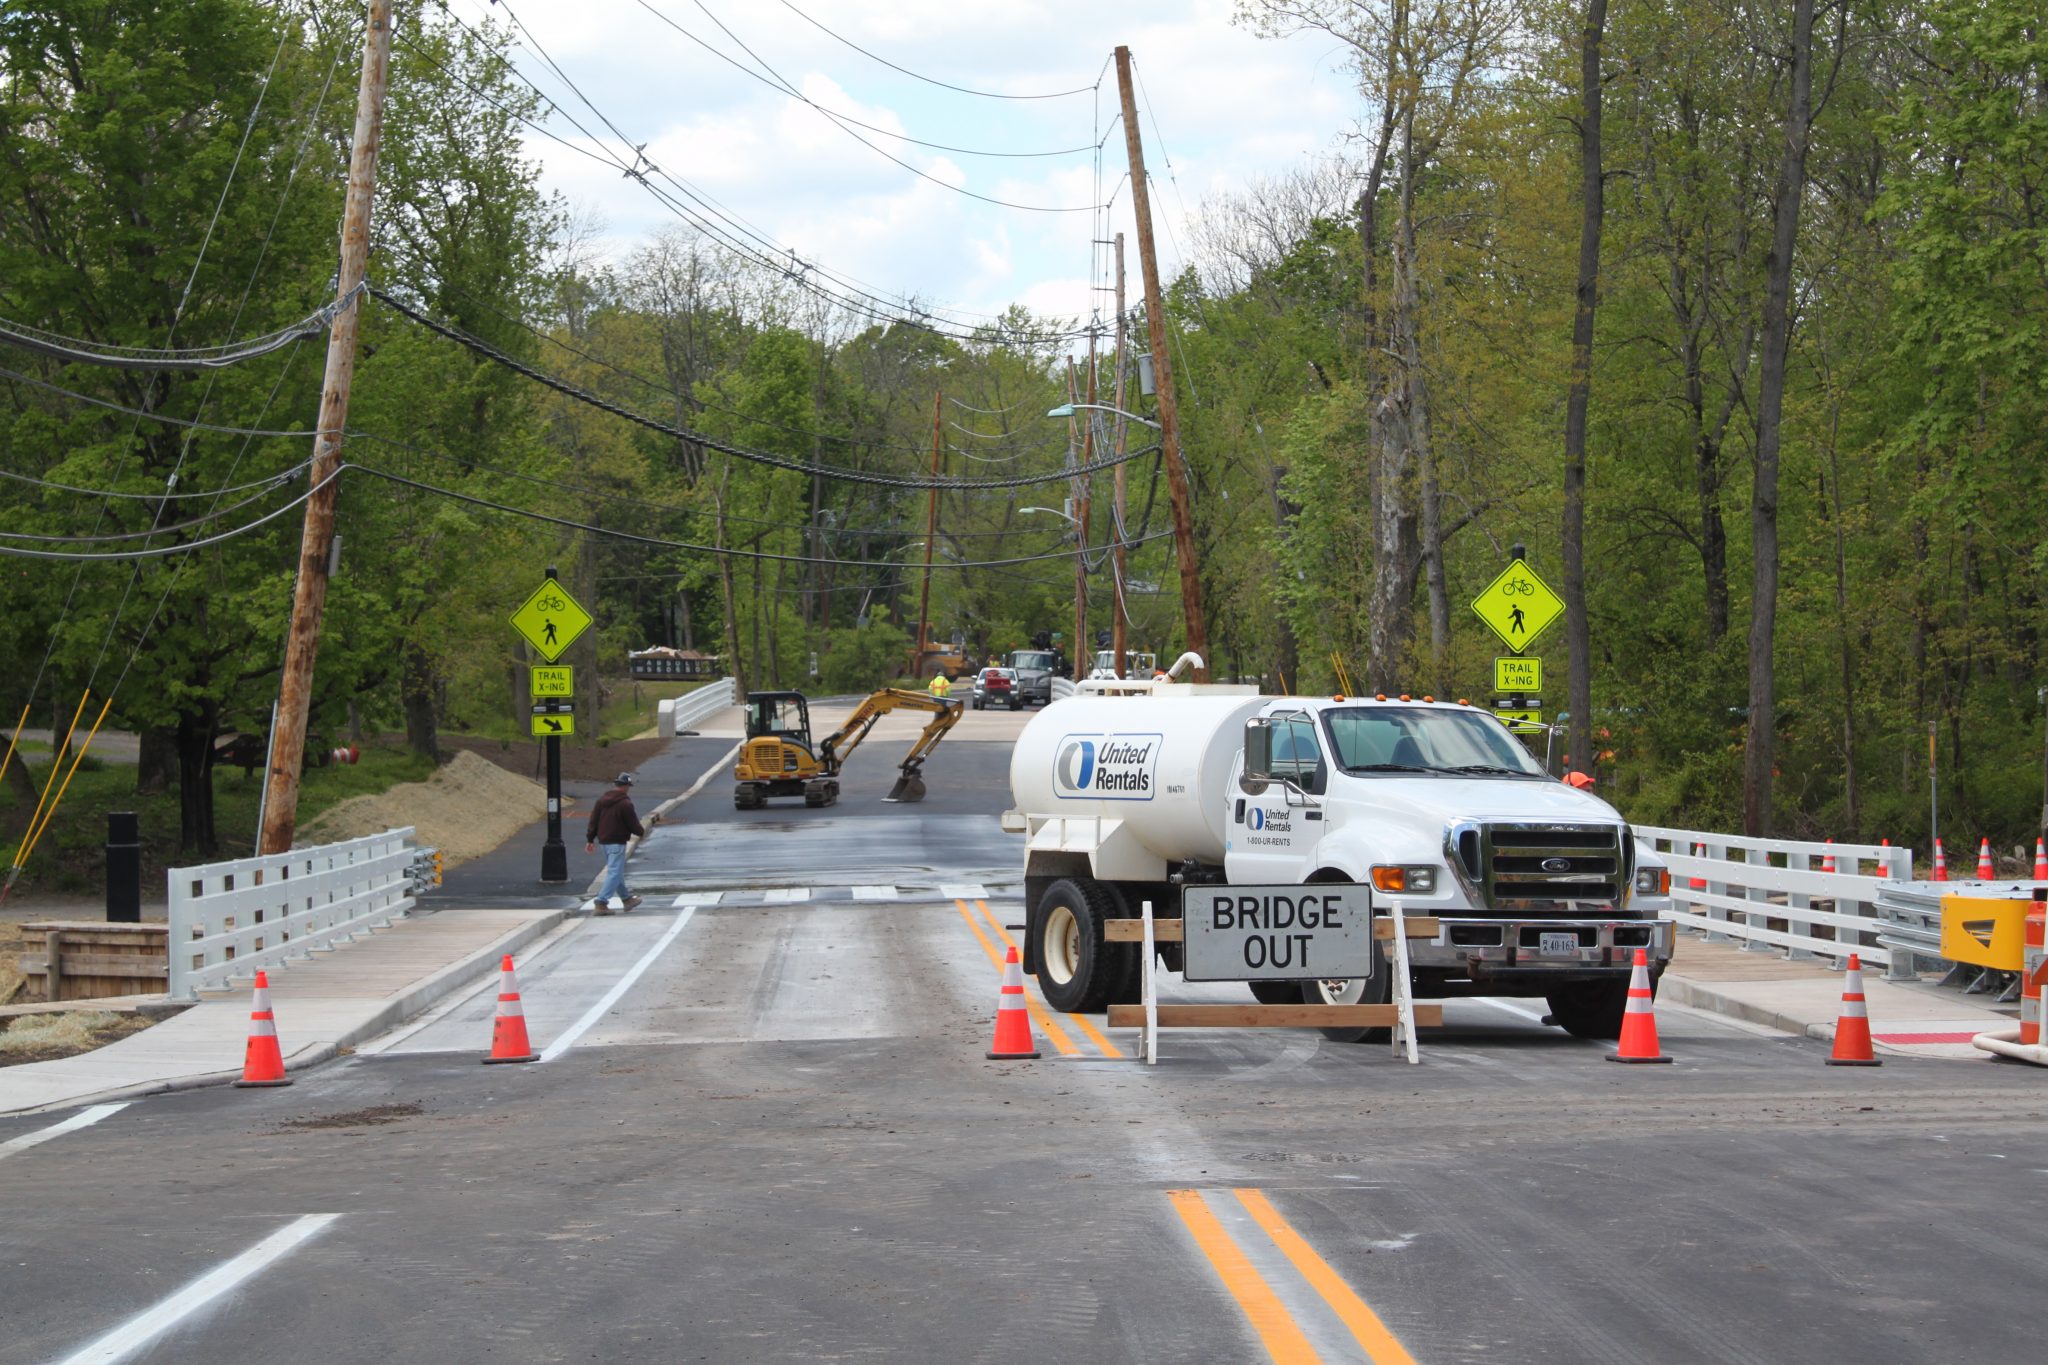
[612,819]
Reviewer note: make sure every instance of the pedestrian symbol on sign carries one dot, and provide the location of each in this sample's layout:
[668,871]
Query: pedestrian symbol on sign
[1514,615]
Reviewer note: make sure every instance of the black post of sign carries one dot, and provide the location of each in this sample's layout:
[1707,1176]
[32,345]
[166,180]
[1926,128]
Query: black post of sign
[554,857]
[124,868]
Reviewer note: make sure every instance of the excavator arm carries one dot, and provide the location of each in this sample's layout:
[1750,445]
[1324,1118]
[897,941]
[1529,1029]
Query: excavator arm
[834,749]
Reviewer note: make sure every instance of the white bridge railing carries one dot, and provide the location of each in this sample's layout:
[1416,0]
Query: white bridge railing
[228,919]
[1746,884]
[692,708]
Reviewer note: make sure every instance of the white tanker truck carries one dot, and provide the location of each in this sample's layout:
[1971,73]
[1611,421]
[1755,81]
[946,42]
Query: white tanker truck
[1540,889]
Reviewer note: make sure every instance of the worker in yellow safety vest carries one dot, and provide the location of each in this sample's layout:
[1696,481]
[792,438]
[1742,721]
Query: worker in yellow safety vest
[941,685]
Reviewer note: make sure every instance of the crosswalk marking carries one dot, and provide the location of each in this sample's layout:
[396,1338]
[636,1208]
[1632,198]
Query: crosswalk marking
[963,891]
[786,895]
[875,893]
[692,899]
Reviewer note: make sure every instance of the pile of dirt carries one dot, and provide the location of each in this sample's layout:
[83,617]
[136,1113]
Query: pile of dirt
[580,762]
[65,1033]
[466,809]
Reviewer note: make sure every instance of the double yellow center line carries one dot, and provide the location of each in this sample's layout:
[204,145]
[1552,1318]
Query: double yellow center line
[1279,1332]
[1041,1017]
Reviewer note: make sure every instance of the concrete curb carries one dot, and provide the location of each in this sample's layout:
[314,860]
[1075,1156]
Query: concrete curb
[394,1011]
[1683,990]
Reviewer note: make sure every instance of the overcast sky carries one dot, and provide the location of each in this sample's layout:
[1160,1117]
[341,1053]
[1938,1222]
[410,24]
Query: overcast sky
[1229,106]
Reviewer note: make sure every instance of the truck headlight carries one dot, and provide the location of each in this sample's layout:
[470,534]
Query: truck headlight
[1420,880]
[1653,881]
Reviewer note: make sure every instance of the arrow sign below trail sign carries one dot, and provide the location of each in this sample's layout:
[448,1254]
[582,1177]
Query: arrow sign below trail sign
[550,619]
[1518,606]
[554,727]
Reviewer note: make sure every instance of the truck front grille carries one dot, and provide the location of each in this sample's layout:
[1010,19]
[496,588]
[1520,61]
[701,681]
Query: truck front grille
[1541,866]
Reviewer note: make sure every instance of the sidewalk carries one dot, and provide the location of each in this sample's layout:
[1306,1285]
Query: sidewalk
[1907,1019]
[323,1004]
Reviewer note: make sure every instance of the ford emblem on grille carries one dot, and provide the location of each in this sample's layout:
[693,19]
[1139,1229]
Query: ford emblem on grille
[1557,864]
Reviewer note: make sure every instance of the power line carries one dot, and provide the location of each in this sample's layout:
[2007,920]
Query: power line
[614,534]
[211,514]
[162,551]
[774,80]
[77,351]
[169,493]
[583,395]
[145,413]
[932,80]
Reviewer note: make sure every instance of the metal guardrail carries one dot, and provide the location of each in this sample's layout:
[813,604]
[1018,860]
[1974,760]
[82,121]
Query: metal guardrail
[1912,929]
[1748,883]
[672,717]
[228,919]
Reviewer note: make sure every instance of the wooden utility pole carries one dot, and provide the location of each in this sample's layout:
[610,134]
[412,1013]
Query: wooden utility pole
[931,531]
[316,542]
[1162,370]
[1117,501]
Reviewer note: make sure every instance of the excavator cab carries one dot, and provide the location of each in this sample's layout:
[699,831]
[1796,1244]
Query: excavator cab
[778,757]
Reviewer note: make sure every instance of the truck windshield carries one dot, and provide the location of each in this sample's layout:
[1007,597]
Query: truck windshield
[1428,739]
[1032,658]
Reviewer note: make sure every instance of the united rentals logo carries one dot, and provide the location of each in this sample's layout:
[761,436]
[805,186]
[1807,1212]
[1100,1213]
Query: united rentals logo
[1106,767]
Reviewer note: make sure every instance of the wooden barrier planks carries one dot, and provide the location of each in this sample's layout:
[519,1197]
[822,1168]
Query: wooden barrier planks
[1427,1015]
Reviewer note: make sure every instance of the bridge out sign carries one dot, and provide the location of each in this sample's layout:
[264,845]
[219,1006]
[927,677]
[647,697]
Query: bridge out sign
[1277,933]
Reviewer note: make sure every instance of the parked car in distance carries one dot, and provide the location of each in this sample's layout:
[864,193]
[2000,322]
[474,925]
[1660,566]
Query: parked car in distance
[993,685]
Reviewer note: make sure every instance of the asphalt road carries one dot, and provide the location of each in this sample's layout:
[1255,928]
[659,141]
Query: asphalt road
[781,1142]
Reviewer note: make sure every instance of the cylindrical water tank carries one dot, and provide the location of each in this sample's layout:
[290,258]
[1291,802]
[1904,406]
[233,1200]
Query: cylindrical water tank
[1160,764]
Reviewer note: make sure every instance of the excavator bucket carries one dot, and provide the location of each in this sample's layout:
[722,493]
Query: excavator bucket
[909,787]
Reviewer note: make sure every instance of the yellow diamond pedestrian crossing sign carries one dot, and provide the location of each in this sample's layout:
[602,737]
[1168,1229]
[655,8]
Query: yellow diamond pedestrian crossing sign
[550,619]
[1517,606]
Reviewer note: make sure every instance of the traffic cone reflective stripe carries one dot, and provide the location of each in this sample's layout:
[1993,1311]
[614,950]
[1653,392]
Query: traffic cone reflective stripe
[508,1031]
[1852,1029]
[1013,1042]
[1639,1022]
[262,1060]
[2041,860]
[1940,863]
[1827,863]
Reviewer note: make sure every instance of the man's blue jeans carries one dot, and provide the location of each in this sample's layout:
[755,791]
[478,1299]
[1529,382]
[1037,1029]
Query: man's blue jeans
[614,873]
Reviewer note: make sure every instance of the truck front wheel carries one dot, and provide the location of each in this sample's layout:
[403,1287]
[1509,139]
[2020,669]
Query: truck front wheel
[1078,972]
[1591,1010]
[1378,990]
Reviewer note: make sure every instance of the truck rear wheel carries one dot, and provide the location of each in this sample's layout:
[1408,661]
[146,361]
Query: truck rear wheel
[1591,1010]
[1377,990]
[1077,972]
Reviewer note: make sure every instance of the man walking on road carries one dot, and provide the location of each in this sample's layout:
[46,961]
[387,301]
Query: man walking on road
[613,821]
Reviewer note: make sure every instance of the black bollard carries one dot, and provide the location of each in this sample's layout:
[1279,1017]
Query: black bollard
[124,868]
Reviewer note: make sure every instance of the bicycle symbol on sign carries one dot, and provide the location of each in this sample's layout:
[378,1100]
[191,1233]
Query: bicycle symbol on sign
[1518,585]
[550,603]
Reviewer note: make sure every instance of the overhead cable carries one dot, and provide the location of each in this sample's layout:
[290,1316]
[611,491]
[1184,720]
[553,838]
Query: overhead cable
[210,515]
[762,457]
[81,352]
[615,534]
[168,493]
[163,551]
[145,413]
[775,81]
[933,80]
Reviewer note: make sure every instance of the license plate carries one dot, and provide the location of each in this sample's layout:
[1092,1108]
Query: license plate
[1558,945]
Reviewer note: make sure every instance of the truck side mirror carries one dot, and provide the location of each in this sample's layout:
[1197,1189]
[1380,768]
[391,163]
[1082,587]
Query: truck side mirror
[1258,755]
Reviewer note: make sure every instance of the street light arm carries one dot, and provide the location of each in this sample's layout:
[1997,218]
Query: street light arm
[1068,410]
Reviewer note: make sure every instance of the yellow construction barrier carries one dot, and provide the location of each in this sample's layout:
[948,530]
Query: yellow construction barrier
[1985,931]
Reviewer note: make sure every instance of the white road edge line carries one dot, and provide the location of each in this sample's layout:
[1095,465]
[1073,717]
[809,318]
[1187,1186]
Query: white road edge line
[568,1037]
[84,1118]
[152,1323]
[665,807]
[1531,1015]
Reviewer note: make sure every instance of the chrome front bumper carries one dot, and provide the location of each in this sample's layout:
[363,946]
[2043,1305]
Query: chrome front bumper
[1500,946]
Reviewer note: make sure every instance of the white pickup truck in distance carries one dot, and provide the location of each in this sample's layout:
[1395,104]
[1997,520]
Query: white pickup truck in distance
[1539,888]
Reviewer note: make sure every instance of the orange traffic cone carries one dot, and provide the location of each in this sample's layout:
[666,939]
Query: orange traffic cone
[1014,1042]
[1852,1030]
[1985,871]
[262,1062]
[2040,860]
[508,1033]
[1699,883]
[1940,863]
[1827,863]
[1639,1024]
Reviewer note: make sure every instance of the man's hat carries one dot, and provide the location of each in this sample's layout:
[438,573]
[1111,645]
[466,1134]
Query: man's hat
[623,780]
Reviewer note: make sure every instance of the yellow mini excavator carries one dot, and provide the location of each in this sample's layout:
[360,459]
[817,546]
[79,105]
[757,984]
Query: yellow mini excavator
[778,759]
